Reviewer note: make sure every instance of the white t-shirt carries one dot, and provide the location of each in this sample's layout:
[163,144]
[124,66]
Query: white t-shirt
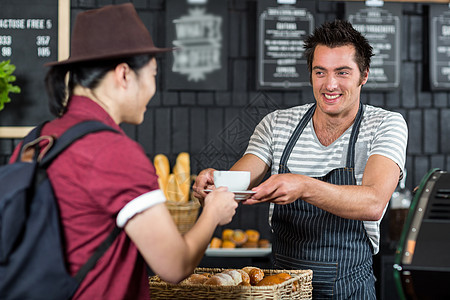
[381,132]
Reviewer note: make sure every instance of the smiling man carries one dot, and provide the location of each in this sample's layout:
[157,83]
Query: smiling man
[334,163]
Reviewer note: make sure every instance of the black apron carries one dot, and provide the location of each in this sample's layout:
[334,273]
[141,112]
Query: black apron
[307,237]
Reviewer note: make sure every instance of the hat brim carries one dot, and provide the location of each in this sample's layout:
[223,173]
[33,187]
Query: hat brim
[97,56]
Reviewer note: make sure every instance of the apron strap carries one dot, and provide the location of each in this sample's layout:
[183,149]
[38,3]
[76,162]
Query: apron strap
[301,126]
[353,137]
[293,140]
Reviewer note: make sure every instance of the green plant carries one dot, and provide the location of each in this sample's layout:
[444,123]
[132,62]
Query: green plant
[6,78]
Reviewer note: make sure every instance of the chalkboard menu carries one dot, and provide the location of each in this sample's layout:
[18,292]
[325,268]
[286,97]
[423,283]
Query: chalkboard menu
[198,30]
[381,26]
[440,47]
[28,38]
[282,29]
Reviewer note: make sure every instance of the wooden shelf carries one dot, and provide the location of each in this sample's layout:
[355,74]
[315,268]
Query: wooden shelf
[14,132]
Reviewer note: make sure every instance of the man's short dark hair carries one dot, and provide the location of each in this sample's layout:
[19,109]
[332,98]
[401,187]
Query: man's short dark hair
[336,34]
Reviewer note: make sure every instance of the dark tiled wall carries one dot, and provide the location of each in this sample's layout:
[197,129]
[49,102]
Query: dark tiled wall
[214,126]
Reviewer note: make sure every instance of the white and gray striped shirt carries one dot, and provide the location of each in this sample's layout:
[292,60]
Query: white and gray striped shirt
[382,132]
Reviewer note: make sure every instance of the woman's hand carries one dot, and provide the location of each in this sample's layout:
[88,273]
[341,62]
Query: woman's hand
[221,204]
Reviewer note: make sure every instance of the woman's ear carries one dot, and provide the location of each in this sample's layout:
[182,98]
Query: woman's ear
[122,74]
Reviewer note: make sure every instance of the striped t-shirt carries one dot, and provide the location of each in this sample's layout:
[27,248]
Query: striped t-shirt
[382,132]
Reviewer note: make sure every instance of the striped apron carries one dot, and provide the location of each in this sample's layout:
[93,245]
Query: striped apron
[307,237]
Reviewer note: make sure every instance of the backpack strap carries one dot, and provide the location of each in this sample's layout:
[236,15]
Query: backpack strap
[101,249]
[63,142]
[31,136]
[72,134]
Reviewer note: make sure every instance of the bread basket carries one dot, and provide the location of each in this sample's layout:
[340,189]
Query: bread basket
[184,214]
[298,287]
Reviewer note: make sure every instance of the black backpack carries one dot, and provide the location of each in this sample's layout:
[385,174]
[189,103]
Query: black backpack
[32,264]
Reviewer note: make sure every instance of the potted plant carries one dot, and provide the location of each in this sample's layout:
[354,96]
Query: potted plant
[6,79]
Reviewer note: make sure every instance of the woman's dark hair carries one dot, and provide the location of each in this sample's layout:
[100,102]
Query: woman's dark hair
[336,34]
[86,74]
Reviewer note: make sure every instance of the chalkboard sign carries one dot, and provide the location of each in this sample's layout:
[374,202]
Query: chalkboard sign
[282,29]
[28,38]
[440,47]
[381,26]
[198,29]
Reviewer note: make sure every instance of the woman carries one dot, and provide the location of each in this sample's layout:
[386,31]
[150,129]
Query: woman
[105,178]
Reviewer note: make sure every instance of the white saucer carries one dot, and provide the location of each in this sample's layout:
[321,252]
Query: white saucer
[238,195]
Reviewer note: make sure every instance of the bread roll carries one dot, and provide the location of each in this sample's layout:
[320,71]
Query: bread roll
[255,274]
[220,279]
[274,279]
[237,277]
[244,275]
[245,284]
[195,279]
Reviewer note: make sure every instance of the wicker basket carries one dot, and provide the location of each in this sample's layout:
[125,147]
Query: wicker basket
[298,287]
[184,214]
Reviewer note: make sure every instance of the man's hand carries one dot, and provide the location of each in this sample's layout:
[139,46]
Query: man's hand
[279,189]
[204,181]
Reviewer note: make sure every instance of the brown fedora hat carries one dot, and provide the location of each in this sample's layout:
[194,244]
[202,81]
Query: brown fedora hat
[109,32]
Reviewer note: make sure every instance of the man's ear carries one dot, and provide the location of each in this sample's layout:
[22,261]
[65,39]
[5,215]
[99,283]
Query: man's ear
[364,77]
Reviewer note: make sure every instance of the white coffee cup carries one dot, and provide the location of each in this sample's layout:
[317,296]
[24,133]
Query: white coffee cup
[233,180]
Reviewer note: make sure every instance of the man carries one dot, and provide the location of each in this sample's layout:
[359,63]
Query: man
[334,166]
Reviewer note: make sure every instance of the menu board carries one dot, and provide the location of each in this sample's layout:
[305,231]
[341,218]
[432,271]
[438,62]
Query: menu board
[282,29]
[440,47]
[198,30]
[28,38]
[381,26]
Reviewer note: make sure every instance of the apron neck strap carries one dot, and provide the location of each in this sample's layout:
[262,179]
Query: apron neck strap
[301,126]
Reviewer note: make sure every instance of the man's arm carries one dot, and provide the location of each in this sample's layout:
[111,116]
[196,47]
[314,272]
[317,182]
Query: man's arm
[363,202]
[252,163]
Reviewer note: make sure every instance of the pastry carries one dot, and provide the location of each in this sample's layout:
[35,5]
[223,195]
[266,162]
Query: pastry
[250,245]
[263,243]
[215,243]
[239,237]
[228,244]
[252,235]
[226,234]
[274,279]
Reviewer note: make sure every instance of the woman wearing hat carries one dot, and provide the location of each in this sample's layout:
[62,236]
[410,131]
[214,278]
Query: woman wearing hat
[105,178]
